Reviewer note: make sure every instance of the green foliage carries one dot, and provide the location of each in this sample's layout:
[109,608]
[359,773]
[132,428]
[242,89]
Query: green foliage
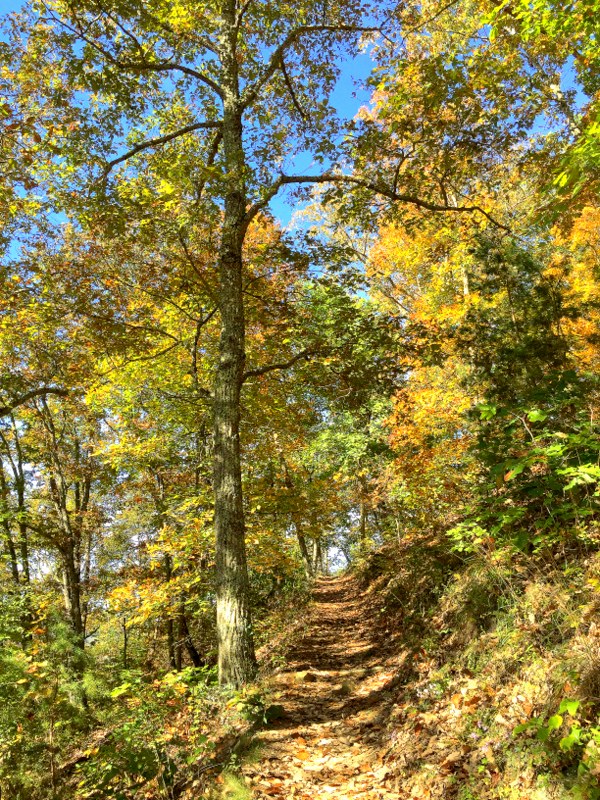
[542,469]
[43,709]
[250,703]
[535,442]
[148,744]
[234,787]
[442,386]
[467,537]
[576,738]
[564,30]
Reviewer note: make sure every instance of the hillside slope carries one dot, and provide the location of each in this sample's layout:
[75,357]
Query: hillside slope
[425,678]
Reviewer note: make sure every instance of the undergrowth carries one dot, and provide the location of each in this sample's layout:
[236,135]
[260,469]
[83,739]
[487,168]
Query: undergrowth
[179,735]
[502,694]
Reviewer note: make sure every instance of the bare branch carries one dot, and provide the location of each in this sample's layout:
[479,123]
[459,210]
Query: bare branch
[6,410]
[210,160]
[158,141]
[303,115]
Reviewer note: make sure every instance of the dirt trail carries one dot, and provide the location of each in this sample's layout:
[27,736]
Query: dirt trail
[337,692]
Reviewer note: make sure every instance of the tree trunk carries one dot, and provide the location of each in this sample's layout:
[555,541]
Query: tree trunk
[362,523]
[237,663]
[19,476]
[10,545]
[125,642]
[306,559]
[321,565]
[185,637]
[171,645]
[362,512]
[171,648]
[72,594]
[317,557]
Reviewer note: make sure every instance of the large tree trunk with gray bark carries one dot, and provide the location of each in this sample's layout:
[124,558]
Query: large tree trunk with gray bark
[237,663]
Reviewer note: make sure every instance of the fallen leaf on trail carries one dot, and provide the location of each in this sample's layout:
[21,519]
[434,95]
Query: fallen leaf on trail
[305,676]
[382,773]
[473,701]
[453,757]
[273,791]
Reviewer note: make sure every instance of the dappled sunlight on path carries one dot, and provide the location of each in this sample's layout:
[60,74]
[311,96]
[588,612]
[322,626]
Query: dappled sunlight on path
[337,692]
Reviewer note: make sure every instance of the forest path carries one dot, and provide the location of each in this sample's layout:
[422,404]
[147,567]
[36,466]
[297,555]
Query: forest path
[337,691]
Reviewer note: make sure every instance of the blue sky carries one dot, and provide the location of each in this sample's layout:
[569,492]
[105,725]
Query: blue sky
[347,98]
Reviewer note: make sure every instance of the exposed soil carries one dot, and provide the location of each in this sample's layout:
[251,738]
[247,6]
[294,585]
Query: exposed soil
[337,691]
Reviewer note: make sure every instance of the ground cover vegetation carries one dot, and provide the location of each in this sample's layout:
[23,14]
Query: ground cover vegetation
[203,410]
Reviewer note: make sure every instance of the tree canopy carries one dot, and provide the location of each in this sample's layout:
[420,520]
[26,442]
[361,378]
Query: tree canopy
[202,409]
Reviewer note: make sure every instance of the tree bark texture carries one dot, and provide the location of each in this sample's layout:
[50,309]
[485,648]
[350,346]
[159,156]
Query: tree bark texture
[237,663]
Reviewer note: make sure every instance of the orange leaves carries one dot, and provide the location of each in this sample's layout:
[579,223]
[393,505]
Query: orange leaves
[585,232]
[429,433]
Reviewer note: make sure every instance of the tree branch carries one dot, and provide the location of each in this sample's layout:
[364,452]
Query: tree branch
[201,40]
[293,36]
[304,354]
[165,66]
[158,141]
[303,115]
[377,188]
[170,66]
[191,261]
[6,410]
[210,160]
[241,13]
[149,357]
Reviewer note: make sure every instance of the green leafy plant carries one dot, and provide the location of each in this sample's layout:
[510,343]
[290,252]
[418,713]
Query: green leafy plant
[566,733]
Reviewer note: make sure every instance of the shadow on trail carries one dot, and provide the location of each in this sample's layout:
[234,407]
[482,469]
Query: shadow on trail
[346,656]
[342,680]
